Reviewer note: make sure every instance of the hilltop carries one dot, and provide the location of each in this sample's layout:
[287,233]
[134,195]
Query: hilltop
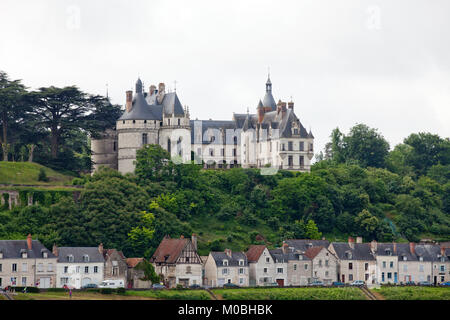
[28,172]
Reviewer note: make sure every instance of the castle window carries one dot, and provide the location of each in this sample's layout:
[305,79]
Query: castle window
[302,161]
[161,123]
[290,146]
[302,146]
[168,145]
[123,121]
[211,152]
[145,121]
[310,147]
[234,152]
[235,140]
[282,147]
[168,122]
[114,146]
[144,139]
[222,152]
[296,131]
[134,121]
[290,161]
[178,121]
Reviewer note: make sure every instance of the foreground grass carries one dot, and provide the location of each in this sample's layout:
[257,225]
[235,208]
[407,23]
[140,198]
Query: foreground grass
[414,293]
[76,295]
[291,294]
[172,294]
[28,172]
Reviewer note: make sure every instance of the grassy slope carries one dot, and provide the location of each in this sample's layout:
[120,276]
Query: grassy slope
[27,173]
[414,293]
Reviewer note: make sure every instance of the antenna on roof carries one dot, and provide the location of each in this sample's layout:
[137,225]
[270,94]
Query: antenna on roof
[175,85]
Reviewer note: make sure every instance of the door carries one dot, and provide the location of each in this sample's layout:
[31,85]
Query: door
[435,280]
[395,277]
[343,278]
[44,283]
[280,282]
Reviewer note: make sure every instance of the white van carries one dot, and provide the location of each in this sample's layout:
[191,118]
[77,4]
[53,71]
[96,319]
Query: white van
[113,284]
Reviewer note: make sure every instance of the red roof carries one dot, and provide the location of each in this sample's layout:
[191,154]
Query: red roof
[313,252]
[254,252]
[169,250]
[132,262]
[109,252]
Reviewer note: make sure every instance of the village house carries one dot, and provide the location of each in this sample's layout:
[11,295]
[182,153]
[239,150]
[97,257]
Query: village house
[226,267]
[281,260]
[177,262]
[79,266]
[387,262]
[134,275]
[115,265]
[441,267]
[261,266]
[356,261]
[299,266]
[26,263]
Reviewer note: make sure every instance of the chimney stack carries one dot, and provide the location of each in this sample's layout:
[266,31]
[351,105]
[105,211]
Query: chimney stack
[55,250]
[443,251]
[412,247]
[182,237]
[359,240]
[194,241]
[291,105]
[260,114]
[279,106]
[29,241]
[283,109]
[228,252]
[285,248]
[373,245]
[351,242]
[152,89]
[129,96]
[394,244]
[100,248]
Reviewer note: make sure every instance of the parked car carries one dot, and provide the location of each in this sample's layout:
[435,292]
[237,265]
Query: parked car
[89,286]
[158,286]
[271,284]
[113,284]
[230,285]
[317,283]
[195,286]
[424,283]
[338,284]
[410,283]
[358,283]
[445,283]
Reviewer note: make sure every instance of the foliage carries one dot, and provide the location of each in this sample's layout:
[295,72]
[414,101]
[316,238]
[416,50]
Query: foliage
[413,293]
[171,294]
[42,175]
[149,271]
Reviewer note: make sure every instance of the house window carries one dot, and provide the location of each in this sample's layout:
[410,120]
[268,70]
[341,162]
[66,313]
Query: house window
[391,264]
[326,273]
[296,131]
[50,267]
[405,268]
[144,139]
[311,147]
[290,161]
[40,267]
[389,275]
[145,121]
[290,146]
[442,268]
[24,281]
[114,146]
[320,263]
[421,268]
[70,258]
[234,152]
[168,122]
[86,269]
[265,270]
[241,262]
[14,267]
[77,269]
[350,277]
[13,281]
[188,269]
[66,269]
[222,152]
[267,260]
[178,121]
[326,263]
[95,269]
[306,266]
[241,280]
[241,270]
[384,264]
[24,267]
[115,271]
[366,276]
[302,146]
[168,145]
[350,266]
[282,147]
[224,271]
[0,267]
[279,270]
[295,267]
[64,281]
[211,152]
[382,277]
[302,161]
[366,266]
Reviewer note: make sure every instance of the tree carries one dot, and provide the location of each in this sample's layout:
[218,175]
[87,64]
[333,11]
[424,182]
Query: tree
[42,175]
[141,235]
[153,163]
[149,271]
[311,230]
[367,223]
[12,108]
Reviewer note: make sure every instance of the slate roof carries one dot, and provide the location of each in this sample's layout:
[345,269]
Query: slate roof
[279,256]
[254,252]
[12,249]
[303,244]
[211,124]
[429,252]
[233,261]
[361,251]
[78,254]
[109,252]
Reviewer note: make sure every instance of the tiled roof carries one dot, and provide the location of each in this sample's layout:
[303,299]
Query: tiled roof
[12,249]
[313,252]
[169,250]
[108,252]
[254,252]
[133,262]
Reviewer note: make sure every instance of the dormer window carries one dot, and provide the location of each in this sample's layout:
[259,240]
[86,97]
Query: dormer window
[1,255]
[225,262]
[241,262]
[45,254]
[70,258]
[420,258]
[85,258]
[388,252]
[24,255]
[405,258]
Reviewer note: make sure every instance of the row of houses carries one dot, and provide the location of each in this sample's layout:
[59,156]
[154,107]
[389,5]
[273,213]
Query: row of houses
[301,262]
[29,263]
[295,263]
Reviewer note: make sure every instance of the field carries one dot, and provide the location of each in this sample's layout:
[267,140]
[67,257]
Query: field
[27,173]
[76,295]
[171,294]
[414,293]
[290,294]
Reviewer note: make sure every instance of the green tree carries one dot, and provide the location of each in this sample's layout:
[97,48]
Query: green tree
[149,271]
[141,235]
[311,231]
[153,163]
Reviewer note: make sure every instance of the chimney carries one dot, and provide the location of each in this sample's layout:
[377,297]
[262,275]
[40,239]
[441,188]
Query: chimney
[279,106]
[152,89]
[55,250]
[283,109]
[359,240]
[412,247]
[228,252]
[182,237]
[194,241]
[285,247]
[443,251]
[260,114]
[291,105]
[351,242]
[29,241]
[100,248]
[373,246]
[394,244]
[129,96]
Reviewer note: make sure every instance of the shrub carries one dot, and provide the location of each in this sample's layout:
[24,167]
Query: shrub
[106,291]
[120,290]
[29,289]
[56,290]
[42,175]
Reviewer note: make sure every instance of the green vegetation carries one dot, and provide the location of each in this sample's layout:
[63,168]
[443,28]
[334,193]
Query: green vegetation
[172,294]
[291,294]
[413,293]
[28,173]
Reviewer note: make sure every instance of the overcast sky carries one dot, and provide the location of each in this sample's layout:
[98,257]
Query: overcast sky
[382,63]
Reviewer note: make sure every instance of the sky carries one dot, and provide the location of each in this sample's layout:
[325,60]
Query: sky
[382,63]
